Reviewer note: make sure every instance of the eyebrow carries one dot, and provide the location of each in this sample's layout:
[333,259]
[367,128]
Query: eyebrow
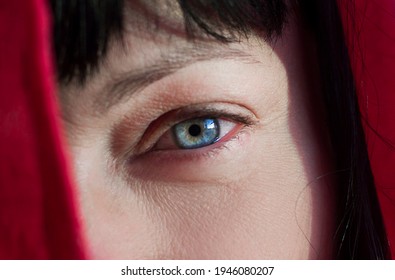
[121,88]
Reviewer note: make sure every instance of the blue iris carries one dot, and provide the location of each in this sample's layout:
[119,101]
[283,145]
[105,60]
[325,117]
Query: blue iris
[196,133]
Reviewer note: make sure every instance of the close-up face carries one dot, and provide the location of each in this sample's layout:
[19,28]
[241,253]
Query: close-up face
[193,148]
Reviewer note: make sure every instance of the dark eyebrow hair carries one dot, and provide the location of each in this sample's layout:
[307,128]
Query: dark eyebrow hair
[126,84]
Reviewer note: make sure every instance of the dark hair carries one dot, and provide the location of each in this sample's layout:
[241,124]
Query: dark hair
[84,28]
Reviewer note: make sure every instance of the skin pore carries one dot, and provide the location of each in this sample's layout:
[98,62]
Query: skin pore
[252,194]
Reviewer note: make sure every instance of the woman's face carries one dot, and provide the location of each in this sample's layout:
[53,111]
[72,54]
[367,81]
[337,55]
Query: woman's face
[196,149]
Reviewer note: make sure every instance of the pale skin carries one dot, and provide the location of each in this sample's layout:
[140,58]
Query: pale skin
[257,193]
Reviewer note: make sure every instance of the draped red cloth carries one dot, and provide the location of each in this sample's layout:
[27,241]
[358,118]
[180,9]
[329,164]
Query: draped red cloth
[370,31]
[38,219]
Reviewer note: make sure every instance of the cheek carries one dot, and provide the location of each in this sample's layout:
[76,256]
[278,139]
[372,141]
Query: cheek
[253,205]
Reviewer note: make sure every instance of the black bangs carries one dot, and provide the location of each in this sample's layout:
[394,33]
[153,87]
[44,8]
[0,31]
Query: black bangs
[83,28]
[226,20]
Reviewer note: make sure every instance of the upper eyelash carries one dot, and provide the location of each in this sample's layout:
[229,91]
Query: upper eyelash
[217,114]
[180,115]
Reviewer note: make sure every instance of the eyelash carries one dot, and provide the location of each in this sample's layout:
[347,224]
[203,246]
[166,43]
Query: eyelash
[206,152]
[241,122]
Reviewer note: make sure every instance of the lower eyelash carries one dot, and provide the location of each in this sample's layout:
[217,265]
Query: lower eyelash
[205,153]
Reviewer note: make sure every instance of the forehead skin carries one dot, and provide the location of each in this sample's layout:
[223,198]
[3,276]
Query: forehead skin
[256,196]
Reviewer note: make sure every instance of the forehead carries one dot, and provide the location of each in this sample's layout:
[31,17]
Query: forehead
[153,13]
[85,31]
[224,21]
[153,29]
[156,42]
[168,22]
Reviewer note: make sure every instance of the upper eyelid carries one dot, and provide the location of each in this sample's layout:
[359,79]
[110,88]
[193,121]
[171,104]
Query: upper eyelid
[136,80]
[184,115]
[179,118]
[127,135]
[140,146]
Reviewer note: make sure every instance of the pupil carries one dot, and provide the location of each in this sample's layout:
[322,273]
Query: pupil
[194,130]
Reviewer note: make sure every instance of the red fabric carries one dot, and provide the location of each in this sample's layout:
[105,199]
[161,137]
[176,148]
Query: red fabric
[370,32]
[37,213]
[38,219]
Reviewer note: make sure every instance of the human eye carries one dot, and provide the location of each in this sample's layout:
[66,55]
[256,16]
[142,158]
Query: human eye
[193,132]
[197,133]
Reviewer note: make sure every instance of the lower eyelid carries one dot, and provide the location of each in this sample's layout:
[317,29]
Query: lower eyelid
[145,143]
[196,165]
[204,153]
